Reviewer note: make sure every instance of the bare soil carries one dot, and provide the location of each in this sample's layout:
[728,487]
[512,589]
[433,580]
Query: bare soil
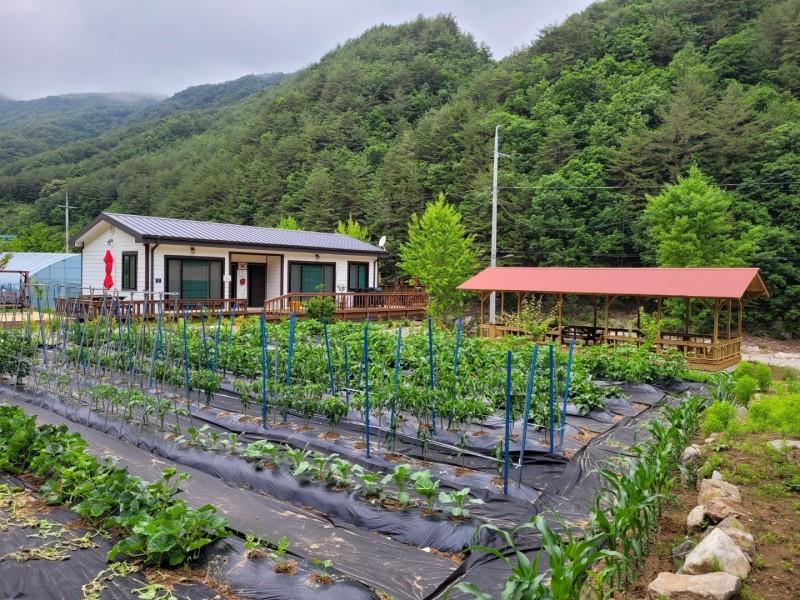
[772,516]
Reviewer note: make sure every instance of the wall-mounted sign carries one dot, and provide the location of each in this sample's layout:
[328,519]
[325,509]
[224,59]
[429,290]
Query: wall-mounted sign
[241,276]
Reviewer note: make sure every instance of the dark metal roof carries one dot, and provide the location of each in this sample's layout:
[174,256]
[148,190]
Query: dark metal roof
[144,229]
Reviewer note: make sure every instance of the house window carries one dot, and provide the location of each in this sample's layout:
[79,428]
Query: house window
[311,277]
[357,276]
[129,268]
[194,278]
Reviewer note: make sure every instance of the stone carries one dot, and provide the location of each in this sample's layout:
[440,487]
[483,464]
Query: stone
[741,413]
[718,510]
[690,455]
[783,445]
[711,586]
[716,476]
[695,519]
[716,552]
[714,489]
[680,551]
[711,439]
[735,530]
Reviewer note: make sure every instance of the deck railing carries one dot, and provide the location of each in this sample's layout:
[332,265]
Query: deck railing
[89,307]
[351,303]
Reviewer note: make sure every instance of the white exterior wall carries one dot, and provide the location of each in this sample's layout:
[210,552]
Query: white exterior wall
[94,249]
[93,269]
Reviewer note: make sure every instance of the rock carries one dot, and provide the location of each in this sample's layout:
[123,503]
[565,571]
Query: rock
[718,510]
[741,413]
[690,455]
[711,586]
[783,445]
[735,530]
[711,439]
[716,476]
[716,552]
[714,489]
[680,551]
[695,519]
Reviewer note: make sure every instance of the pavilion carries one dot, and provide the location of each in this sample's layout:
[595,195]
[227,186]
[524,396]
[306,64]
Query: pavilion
[724,291]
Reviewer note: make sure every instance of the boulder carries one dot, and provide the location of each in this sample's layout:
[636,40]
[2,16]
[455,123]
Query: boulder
[783,445]
[714,489]
[711,586]
[716,476]
[716,552]
[735,530]
[718,510]
[680,551]
[695,519]
[690,455]
[741,413]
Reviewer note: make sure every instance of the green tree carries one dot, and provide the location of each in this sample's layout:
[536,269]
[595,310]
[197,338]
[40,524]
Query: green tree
[690,225]
[441,254]
[288,222]
[37,237]
[353,228]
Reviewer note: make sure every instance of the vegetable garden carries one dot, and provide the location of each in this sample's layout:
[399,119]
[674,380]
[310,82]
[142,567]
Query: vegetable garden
[439,441]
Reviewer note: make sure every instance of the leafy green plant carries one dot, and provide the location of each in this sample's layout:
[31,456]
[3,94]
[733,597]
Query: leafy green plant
[717,416]
[425,486]
[206,381]
[459,500]
[321,308]
[400,477]
[744,388]
[370,483]
[334,409]
[298,459]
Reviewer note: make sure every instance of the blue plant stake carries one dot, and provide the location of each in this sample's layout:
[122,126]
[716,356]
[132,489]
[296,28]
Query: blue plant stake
[551,393]
[366,383]
[346,378]
[526,413]
[328,354]
[396,380]
[216,341]
[289,356]
[186,350]
[567,377]
[432,382]
[263,372]
[205,339]
[508,424]
[156,346]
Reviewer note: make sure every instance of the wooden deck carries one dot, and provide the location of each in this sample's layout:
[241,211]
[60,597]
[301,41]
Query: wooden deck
[349,305]
[353,305]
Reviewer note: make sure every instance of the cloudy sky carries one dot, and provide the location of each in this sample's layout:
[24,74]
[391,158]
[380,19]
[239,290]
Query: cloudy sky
[162,46]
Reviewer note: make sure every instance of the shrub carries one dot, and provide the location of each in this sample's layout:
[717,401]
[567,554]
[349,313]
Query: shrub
[321,308]
[775,413]
[763,374]
[633,365]
[744,388]
[718,416]
[743,369]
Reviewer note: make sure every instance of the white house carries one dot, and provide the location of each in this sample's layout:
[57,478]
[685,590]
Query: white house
[200,259]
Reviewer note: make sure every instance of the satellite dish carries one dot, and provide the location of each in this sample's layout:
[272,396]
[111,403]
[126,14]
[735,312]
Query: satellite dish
[382,241]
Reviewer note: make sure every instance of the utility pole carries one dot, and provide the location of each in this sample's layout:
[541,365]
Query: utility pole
[66,208]
[493,258]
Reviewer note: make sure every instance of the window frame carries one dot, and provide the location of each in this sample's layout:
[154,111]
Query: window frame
[181,259]
[357,263]
[314,263]
[133,277]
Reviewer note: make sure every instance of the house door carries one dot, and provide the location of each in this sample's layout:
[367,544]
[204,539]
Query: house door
[256,285]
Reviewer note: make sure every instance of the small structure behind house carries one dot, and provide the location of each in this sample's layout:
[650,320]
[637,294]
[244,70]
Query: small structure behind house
[724,292]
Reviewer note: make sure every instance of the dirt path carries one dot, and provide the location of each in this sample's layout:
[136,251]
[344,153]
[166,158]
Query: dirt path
[780,353]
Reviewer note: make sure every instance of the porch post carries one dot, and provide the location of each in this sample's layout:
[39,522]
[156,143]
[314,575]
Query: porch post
[687,314]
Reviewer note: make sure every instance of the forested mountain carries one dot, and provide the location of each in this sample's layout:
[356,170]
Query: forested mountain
[28,127]
[600,112]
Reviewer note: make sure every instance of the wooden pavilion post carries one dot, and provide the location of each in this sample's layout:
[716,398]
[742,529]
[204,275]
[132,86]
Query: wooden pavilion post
[715,329]
[594,318]
[687,314]
[519,302]
[605,319]
[560,316]
[729,318]
[482,298]
[741,316]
